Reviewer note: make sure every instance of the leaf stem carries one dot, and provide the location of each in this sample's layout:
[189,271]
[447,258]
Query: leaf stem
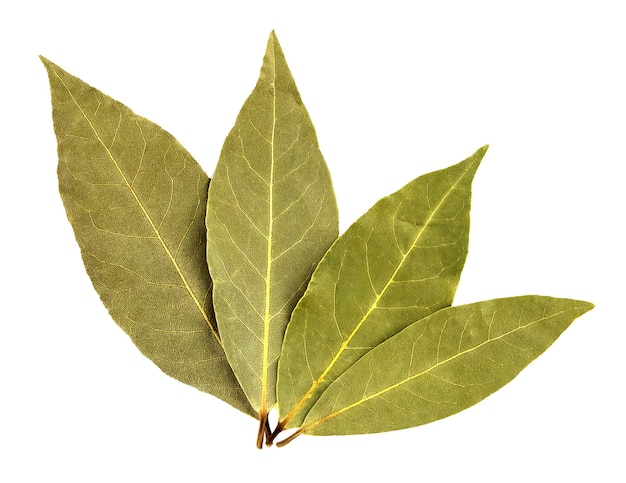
[289,439]
[268,433]
[264,429]
[280,427]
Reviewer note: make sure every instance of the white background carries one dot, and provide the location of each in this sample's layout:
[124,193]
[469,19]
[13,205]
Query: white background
[395,89]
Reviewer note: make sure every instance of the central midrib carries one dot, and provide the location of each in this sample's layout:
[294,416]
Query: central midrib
[373,306]
[144,211]
[268,274]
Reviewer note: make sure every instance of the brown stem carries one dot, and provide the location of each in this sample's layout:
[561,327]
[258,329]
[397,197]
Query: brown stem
[279,429]
[268,433]
[288,440]
[263,429]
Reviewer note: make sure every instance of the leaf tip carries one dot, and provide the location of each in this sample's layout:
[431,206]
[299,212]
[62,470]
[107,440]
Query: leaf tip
[586,306]
[44,61]
[273,45]
[49,65]
[475,159]
[480,152]
[273,55]
[273,39]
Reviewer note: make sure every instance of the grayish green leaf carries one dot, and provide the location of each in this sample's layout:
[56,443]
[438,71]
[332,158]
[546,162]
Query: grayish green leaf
[398,263]
[441,365]
[271,216]
[136,201]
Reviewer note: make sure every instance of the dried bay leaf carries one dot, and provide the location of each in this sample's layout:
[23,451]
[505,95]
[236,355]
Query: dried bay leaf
[136,201]
[398,263]
[271,216]
[441,364]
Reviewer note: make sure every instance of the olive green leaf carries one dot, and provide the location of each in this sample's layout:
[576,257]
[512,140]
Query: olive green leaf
[136,201]
[271,216]
[398,263]
[441,364]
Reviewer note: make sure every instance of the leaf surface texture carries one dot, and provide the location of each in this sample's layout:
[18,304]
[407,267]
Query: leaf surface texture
[271,216]
[398,263]
[441,365]
[136,201]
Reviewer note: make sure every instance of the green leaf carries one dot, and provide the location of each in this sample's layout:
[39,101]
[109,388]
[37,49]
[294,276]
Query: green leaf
[136,201]
[398,263]
[441,365]
[271,216]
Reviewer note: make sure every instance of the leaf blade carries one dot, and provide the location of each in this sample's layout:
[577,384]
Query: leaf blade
[417,238]
[135,199]
[465,353]
[271,216]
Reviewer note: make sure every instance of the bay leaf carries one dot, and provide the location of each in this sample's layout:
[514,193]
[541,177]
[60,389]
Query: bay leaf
[136,201]
[441,364]
[271,216]
[398,263]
